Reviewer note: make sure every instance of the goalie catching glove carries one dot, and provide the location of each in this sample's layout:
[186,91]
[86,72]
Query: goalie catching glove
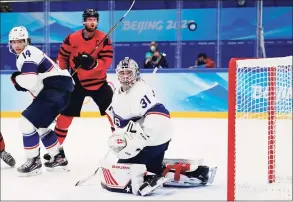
[129,141]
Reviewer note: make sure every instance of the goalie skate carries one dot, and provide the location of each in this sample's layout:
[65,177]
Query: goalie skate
[201,176]
[185,161]
[31,167]
[211,175]
[150,185]
[57,163]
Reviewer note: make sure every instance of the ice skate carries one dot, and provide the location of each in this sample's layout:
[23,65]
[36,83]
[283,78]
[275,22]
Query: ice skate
[31,167]
[7,158]
[203,173]
[151,184]
[57,163]
[47,156]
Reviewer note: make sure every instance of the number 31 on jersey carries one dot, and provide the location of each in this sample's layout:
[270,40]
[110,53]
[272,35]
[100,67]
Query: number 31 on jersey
[145,101]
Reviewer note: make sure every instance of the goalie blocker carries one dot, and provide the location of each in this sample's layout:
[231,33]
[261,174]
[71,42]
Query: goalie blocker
[134,178]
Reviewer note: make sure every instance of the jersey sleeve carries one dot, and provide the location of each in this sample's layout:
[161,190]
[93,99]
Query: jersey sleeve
[110,116]
[149,103]
[105,56]
[64,53]
[157,128]
[28,64]
[156,119]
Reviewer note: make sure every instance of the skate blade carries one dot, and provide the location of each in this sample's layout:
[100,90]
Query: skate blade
[30,174]
[58,169]
[193,182]
[212,174]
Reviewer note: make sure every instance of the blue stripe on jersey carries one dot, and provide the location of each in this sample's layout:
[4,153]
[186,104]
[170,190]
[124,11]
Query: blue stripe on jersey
[29,66]
[158,108]
[120,122]
[44,65]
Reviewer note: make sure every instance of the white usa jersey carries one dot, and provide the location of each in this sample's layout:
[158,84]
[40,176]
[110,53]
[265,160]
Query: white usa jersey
[139,104]
[35,66]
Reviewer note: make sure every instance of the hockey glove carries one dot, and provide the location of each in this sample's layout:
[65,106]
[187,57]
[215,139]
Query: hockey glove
[85,61]
[16,85]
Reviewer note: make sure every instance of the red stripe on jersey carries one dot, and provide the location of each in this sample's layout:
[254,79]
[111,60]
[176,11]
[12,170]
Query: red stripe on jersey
[50,68]
[49,147]
[110,120]
[29,148]
[158,113]
[32,95]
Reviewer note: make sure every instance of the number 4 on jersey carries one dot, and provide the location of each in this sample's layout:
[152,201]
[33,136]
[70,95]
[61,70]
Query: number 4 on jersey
[27,53]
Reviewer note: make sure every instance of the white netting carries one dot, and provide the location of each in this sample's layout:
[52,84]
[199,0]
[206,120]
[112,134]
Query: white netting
[263,128]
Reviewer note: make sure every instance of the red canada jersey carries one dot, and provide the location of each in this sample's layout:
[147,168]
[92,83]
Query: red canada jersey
[76,43]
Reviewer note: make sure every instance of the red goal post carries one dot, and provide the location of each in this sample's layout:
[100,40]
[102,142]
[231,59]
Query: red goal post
[259,118]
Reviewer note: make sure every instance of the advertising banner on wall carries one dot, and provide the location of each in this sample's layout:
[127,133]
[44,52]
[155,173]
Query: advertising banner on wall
[157,25]
[201,94]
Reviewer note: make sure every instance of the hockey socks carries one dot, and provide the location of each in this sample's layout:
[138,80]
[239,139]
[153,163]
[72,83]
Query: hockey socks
[61,128]
[2,143]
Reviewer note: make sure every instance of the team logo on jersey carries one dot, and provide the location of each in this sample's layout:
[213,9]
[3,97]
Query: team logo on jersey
[117,122]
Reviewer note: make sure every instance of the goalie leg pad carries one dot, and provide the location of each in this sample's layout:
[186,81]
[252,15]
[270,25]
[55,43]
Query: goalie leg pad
[123,178]
[184,174]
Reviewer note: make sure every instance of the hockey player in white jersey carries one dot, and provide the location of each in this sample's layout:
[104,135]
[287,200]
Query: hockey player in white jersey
[141,135]
[51,87]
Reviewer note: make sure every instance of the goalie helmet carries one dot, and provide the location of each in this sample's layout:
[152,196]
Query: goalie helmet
[128,73]
[18,33]
[90,13]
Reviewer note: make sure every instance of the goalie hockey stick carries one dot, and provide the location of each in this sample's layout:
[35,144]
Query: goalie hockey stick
[111,30]
[92,175]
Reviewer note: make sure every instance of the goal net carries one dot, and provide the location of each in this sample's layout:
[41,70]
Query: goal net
[260,129]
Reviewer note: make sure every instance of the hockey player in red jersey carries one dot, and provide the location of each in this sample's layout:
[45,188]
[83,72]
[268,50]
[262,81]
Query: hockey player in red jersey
[89,70]
[5,156]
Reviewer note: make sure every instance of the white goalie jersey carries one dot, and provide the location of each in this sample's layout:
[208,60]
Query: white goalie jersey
[35,66]
[140,105]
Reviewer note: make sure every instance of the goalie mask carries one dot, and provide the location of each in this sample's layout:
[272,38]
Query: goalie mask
[128,73]
[15,35]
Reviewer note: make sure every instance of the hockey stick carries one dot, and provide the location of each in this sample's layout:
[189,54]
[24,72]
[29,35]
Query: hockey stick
[92,175]
[111,30]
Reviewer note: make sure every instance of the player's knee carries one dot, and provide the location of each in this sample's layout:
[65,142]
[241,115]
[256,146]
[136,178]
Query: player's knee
[64,121]
[25,126]
[43,131]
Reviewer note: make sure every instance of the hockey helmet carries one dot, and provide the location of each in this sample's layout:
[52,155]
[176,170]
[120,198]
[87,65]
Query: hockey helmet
[90,12]
[18,33]
[128,73]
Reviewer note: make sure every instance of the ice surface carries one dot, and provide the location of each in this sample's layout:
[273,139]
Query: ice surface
[86,144]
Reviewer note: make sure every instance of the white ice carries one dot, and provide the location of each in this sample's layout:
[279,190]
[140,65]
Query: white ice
[86,144]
